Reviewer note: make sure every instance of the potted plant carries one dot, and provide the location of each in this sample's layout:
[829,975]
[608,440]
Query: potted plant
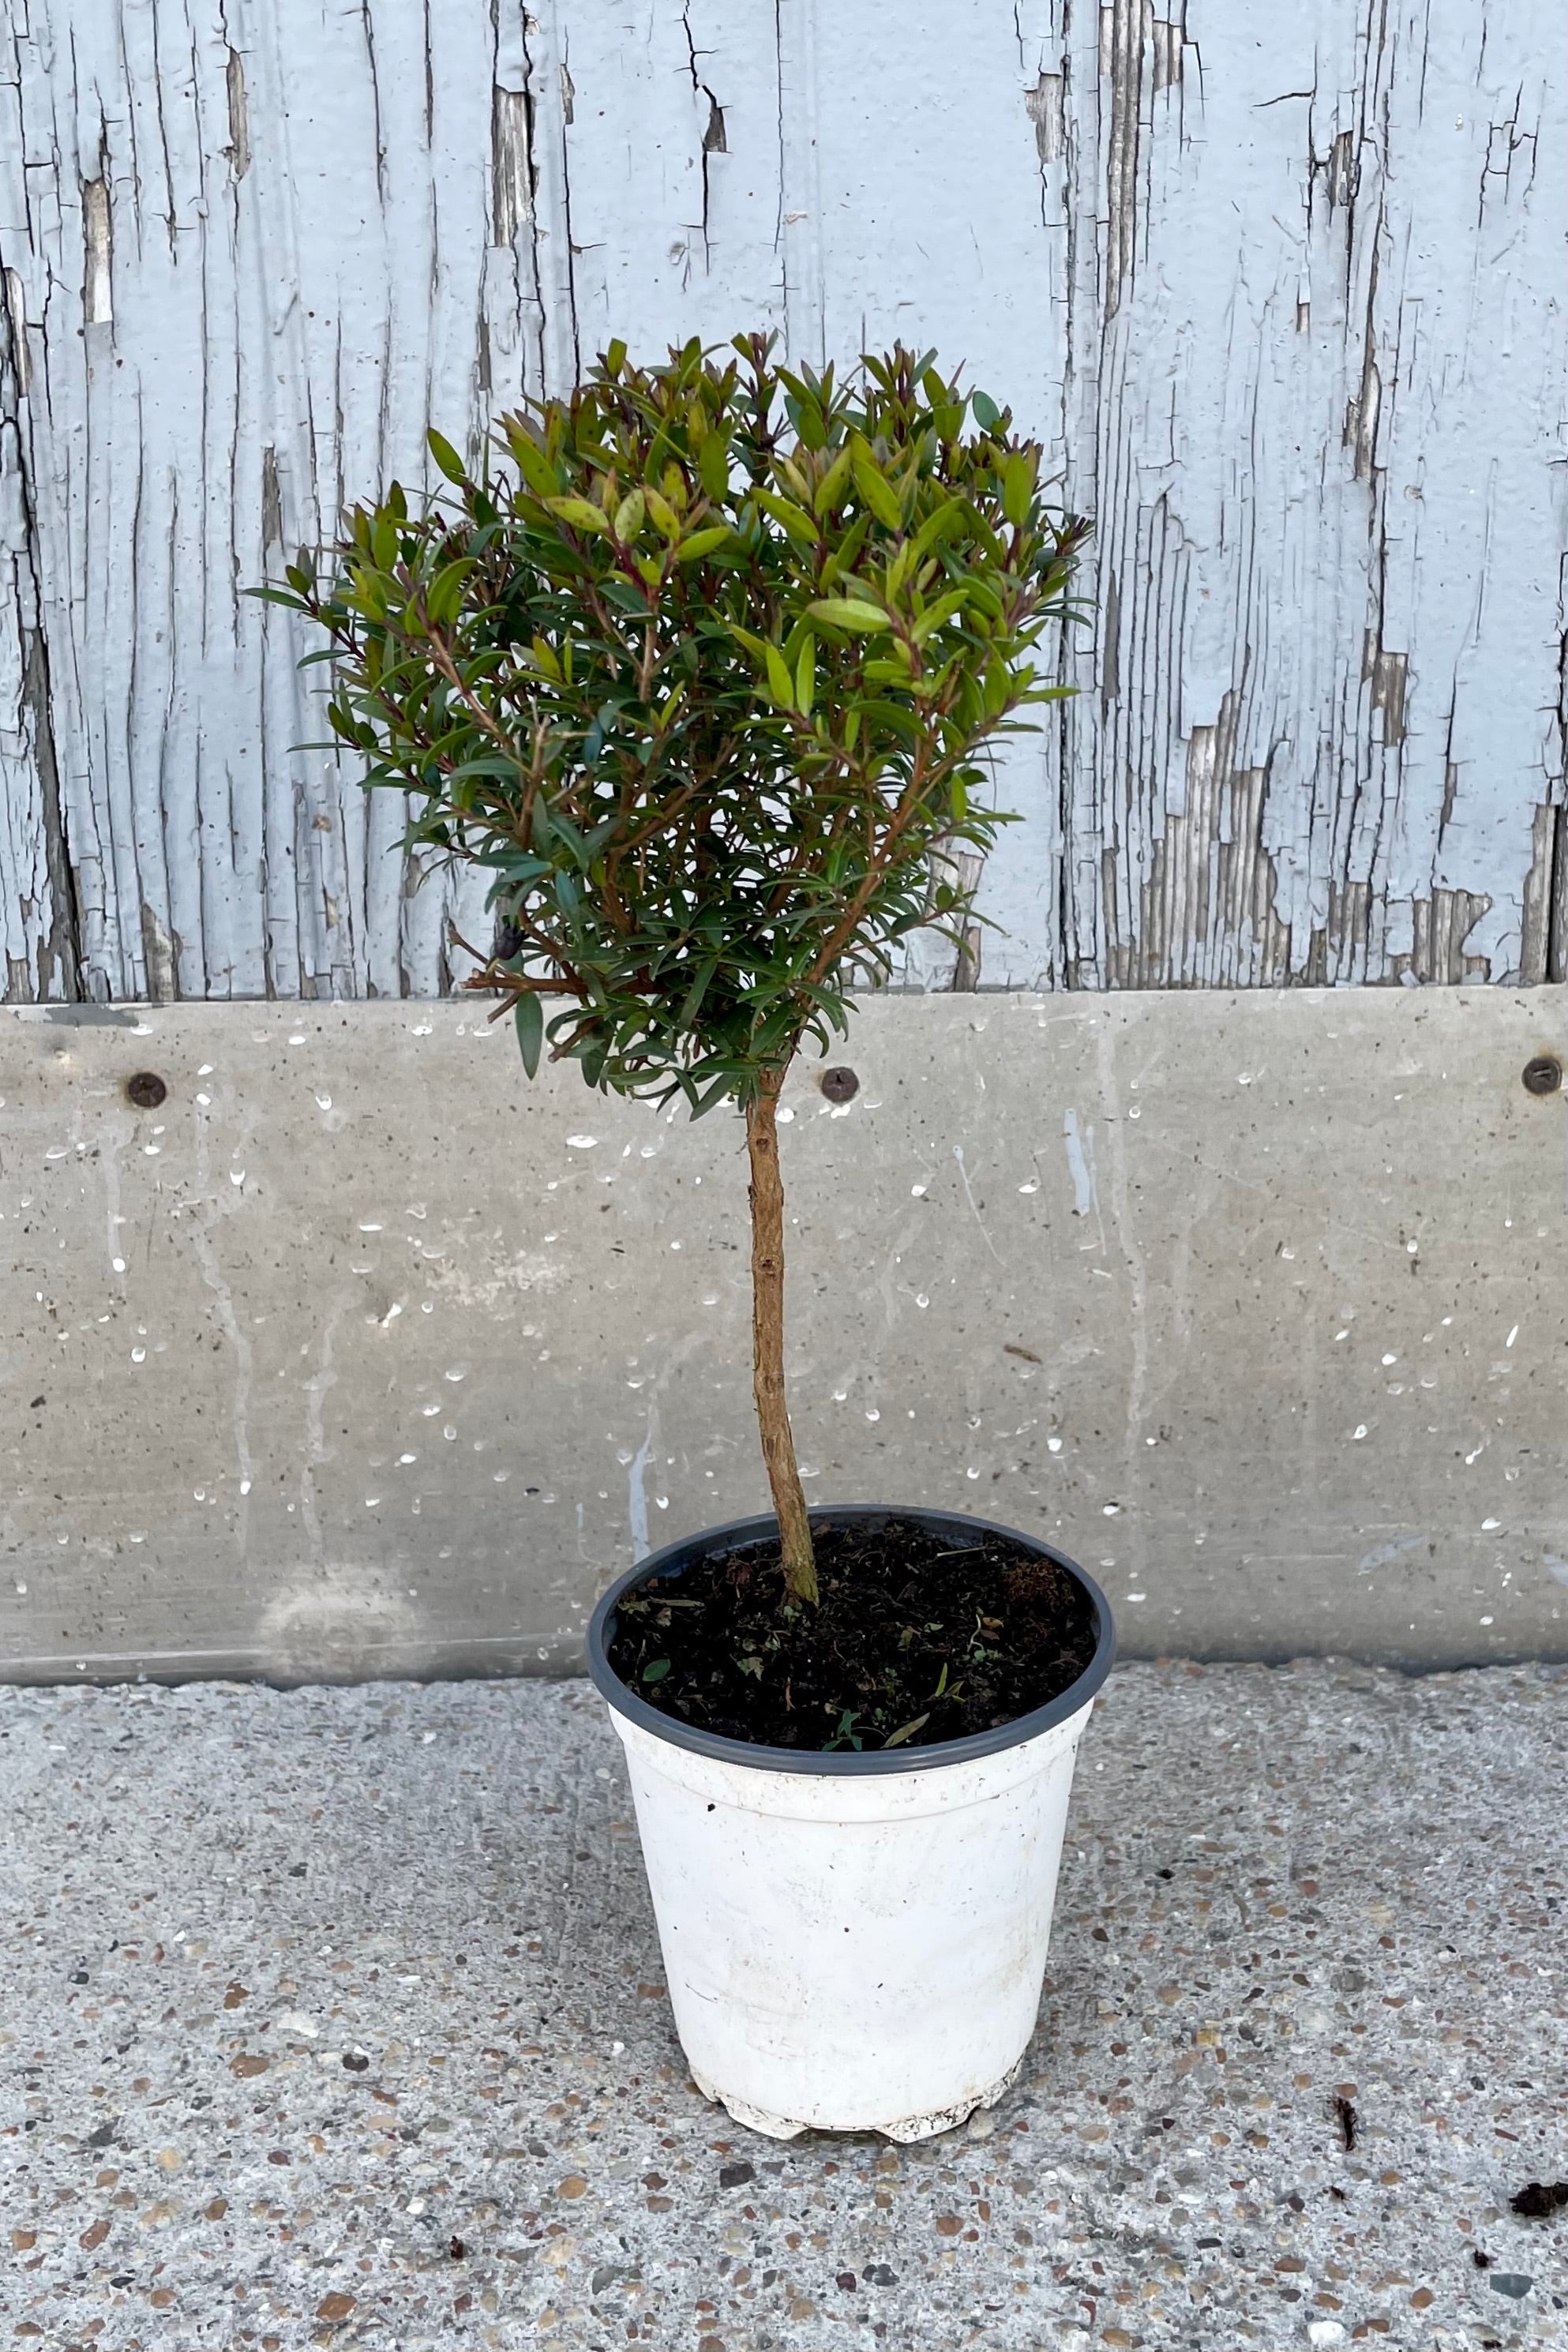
[705,681]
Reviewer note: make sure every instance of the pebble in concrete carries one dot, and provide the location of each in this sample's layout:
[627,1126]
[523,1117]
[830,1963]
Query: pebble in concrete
[336,2017]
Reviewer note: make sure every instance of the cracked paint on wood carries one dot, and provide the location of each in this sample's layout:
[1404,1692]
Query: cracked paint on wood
[1286,305]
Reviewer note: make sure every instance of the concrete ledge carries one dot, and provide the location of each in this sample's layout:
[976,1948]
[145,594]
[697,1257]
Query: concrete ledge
[1279,1887]
[356,1355]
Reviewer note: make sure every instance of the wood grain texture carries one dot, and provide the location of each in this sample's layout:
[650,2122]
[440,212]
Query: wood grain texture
[1283,294]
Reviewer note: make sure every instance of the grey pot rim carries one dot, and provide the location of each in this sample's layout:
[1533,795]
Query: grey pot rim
[672,1560]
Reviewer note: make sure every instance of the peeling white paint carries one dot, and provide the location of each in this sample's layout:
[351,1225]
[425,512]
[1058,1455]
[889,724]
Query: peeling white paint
[1283,300]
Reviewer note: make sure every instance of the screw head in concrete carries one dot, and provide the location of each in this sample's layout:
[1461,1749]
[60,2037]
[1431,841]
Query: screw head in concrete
[1543,1073]
[840,1084]
[146,1089]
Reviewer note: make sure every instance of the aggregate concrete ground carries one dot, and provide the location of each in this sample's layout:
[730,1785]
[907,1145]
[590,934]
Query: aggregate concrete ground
[334,2017]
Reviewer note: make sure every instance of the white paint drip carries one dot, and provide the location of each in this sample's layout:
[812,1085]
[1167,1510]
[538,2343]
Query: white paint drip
[637,1486]
[316,1388]
[204,1217]
[1137,1273]
[1383,1553]
[1080,1166]
[969,1195]
[114,1139]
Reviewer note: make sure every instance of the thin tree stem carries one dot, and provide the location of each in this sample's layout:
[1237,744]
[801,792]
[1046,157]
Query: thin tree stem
[766,1198]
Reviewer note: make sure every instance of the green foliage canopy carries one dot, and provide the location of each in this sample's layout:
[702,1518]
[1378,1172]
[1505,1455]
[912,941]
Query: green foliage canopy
[704,680]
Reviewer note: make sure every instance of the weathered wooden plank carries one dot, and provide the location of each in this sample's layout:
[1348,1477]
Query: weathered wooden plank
[1285,303]
[252,258]
[1322,334]
[35,907]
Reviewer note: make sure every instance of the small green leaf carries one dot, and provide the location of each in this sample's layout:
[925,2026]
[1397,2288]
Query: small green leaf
[877,492]
[1017,489]
[446,458]
[703,542]
[655,1670]
[581,513]
[629,515]
[792,518]
[805,676]
[831,487]
[780,684]
[444,597]
[849,613]
[936,614]
[535,467]
[907,1730]
[529,1018]
[663,513]
[987,415]
[699,989]
[936,525]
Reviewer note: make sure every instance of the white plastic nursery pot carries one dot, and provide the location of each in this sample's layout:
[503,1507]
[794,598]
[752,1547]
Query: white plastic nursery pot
[853,1941]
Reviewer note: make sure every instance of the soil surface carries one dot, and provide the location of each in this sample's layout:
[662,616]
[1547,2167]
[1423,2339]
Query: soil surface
[917,1638]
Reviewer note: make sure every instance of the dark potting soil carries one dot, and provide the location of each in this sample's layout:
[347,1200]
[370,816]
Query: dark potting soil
[915,1639]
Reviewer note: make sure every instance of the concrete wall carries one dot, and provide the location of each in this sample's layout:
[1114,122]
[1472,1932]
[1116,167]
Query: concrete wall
[1281,288]
[356,1354]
